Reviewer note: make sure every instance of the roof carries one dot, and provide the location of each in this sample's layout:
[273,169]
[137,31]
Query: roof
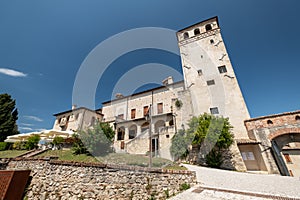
[273,116]
[72,110]
[246,141]
[145,91]
[215,17]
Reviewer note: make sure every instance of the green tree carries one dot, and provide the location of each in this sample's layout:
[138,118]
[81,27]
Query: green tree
[32,142]
[78,147]
[98,139]
[213,135]
[57,141]
[8,117]
[180,145]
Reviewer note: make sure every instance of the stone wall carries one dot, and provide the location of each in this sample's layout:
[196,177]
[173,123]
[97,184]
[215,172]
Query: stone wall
[69,180]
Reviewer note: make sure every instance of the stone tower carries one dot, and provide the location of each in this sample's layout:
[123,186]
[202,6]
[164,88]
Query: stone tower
[209,75]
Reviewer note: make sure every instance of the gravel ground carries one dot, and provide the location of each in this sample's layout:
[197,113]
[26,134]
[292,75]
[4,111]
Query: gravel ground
[236,181]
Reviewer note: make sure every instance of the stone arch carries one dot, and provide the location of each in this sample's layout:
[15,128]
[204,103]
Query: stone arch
[186,35]
[283,131]
[208,27]
[197,31]
[279,141]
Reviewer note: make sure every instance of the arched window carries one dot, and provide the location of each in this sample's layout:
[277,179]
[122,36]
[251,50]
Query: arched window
[212,41]
[132,131]
[269,122]
[297,117]
[196,31]
[145,126]
[186,35]
[208,27]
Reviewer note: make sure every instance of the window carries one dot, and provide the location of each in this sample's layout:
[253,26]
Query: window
[132,134]
[121,116]
[269,122]
[214,110]
[297,117]
[159,108]
[287,158]
[146,110]
[208,27]
[93,121]
[196,31]
[133,113]
[121,133]
[222,69]
[199,72]
[186,35]
[212,41]
[248,155]
[210,82]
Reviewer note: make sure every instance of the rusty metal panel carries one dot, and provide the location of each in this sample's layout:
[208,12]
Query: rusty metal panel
[13,183]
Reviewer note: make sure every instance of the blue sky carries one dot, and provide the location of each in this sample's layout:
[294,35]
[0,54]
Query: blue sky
[45,43]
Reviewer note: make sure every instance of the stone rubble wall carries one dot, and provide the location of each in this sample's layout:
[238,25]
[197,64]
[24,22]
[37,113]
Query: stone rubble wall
[69,180]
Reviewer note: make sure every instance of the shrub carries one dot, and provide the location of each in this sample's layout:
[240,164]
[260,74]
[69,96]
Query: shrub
[214,159]
[19,145]
[32,142]
[184,186]
[4,146]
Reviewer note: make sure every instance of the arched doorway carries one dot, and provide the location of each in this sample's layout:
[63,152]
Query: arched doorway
[286,151]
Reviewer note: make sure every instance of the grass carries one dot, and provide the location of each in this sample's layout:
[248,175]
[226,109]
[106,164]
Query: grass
[11,153]
[67,155]
[175,167]
[112,158]
[129,159]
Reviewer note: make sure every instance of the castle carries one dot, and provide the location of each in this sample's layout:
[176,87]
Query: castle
[209,86]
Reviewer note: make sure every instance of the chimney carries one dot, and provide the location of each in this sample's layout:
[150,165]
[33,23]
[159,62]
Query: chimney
[74,107]
[168,81]
[119,96]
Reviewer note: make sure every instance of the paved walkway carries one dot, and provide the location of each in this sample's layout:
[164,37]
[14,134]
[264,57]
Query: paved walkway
[222,184]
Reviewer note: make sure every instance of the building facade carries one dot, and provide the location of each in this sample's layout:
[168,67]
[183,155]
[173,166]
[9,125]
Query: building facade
[278,144]
[76,119]
[146,121]
[209,86]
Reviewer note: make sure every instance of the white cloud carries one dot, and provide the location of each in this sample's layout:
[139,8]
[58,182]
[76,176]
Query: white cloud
[40,129]
[25,124]
[34,118]
[11,72]
[26,128]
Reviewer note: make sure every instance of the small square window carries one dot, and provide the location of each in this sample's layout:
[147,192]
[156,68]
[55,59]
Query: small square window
[133,111]
[200,72]
[222,69]
[214,111]
[210,82]
[159,108]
